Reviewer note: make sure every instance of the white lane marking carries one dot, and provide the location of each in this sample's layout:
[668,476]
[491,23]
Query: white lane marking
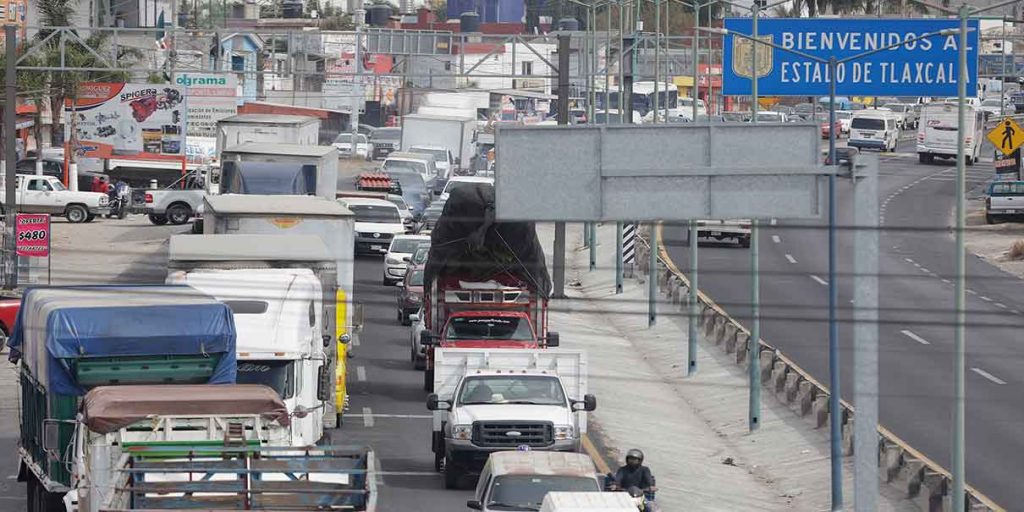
[914,337]
[947,281]
[972,292]
[908,260]
[360,373]
[408,473]
[401,416]
[367,417]
[916,264]
[984,298]
[12,477]
[925,270]
[1000,305]
[819,280]
[988,376]
[791,259]
[773,221]
[776,239]
[1015,311]
[355,341]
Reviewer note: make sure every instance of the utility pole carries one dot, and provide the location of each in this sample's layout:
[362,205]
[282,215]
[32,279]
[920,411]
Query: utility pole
[558,266]
[10,157]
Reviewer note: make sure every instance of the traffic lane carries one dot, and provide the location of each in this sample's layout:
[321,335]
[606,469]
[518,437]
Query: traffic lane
[388,405]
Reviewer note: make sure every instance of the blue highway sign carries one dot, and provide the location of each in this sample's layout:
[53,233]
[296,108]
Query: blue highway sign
[926,67]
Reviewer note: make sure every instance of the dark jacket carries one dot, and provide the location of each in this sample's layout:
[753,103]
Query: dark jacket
[640,477]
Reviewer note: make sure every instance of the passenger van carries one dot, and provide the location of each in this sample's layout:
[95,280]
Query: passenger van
[937,129]
[874,128]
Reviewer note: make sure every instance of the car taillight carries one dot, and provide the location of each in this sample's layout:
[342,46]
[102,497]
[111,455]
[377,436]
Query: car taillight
[149,198]
[967,140]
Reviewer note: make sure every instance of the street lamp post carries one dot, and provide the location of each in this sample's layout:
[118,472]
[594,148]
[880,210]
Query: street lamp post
[868,418]
[960,327]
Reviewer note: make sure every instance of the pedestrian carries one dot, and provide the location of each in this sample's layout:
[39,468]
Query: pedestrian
[96,184]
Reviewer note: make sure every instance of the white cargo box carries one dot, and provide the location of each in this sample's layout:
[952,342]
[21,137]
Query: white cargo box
[325,158]
[587,502]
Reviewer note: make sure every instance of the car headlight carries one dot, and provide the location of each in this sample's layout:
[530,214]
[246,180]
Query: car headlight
[462,432]
[413,297]
[393,261]
[563,432]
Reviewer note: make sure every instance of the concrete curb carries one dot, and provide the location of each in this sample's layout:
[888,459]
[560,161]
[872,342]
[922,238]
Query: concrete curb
[921,478]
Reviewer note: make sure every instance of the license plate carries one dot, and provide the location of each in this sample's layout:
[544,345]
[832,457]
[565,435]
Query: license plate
[1011,210]
[716,233]
[376,247]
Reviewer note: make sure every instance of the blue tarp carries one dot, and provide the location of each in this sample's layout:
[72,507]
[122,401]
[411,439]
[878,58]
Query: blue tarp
[58,326]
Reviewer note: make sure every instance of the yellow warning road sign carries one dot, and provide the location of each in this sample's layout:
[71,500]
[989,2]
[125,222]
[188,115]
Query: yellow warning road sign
[1007,136]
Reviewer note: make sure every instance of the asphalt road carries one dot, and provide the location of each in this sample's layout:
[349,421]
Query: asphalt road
[916,329]
[388,405]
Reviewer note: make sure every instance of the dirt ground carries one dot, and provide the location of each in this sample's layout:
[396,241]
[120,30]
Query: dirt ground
[992,242]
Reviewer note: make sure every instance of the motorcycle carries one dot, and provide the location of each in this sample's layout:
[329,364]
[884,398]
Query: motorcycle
[642,498]
[118,207]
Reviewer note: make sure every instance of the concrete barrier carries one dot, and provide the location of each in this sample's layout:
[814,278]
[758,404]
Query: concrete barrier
[901,464]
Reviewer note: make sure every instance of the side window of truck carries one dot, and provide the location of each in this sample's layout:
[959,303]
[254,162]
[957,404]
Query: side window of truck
[312,314]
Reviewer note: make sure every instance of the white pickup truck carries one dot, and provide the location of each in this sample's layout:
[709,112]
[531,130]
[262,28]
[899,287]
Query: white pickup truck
[736,229]
[177,204]
[46,194]
[505,399]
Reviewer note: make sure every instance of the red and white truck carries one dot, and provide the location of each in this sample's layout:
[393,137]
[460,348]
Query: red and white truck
[486,285]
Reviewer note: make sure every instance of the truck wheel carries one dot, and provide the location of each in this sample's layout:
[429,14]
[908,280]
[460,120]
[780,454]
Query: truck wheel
[989,219]
[452,475]
[439,462]
[91,217]
[178,214]
[745,242]
[76,214]
[969,160]
[428,381]
[157,220]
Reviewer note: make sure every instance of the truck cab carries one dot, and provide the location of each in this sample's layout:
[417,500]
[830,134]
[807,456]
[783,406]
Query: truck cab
[499,313]
[494,400]
[279,317]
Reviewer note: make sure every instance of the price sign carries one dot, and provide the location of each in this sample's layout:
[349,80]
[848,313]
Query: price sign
[32,234]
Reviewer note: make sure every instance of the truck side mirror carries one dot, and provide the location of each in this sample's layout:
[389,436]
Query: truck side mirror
[51,436]
[323,383]
[426,338]
[589,403]
[415,317]
[327,340]
[435,404]
[475,505]
[552,340]
[344,339]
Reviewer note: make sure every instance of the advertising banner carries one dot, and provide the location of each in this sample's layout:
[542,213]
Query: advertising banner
[127,120]
[32,234]
[925,67]
[210,98]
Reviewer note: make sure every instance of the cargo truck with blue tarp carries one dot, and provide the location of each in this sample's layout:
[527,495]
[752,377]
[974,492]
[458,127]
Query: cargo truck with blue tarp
[69,340]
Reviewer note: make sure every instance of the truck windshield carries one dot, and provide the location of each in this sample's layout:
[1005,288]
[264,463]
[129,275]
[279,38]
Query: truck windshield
[526,492]
[488,328]
[275,374]
[405,165]
[373,213]
[416,278]
[522,389]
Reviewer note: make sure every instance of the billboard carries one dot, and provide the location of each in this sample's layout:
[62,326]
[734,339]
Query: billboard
[926,67]
[127,120]
[210,97]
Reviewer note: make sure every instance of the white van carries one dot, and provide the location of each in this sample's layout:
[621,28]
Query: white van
[936,133]
[874,128]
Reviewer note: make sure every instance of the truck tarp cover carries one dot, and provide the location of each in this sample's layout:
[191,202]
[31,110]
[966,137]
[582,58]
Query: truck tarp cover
[268,178]
[57,326]
[110,408]
[468,241]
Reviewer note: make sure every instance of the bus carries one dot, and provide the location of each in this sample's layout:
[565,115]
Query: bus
[643,97]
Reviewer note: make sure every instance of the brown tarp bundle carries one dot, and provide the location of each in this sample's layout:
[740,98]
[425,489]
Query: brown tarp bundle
[109,408]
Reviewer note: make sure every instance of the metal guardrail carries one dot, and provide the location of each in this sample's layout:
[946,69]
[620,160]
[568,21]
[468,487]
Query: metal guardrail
[919,476]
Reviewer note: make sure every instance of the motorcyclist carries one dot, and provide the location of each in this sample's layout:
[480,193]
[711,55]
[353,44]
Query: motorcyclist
[635,474]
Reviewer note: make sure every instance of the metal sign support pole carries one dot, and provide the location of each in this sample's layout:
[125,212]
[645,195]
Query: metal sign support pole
[694,314]
[960,410]
[865,332]
[558,266]
[10,155]
[652,277]
[618,256]
[754,350]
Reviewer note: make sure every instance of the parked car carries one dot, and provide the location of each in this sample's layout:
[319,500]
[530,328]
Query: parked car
[396,260]
[410,295]
[822,120]
[1004,199]
[906,114]
[46,194]
[385,140]
[844,117]
[343,143]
